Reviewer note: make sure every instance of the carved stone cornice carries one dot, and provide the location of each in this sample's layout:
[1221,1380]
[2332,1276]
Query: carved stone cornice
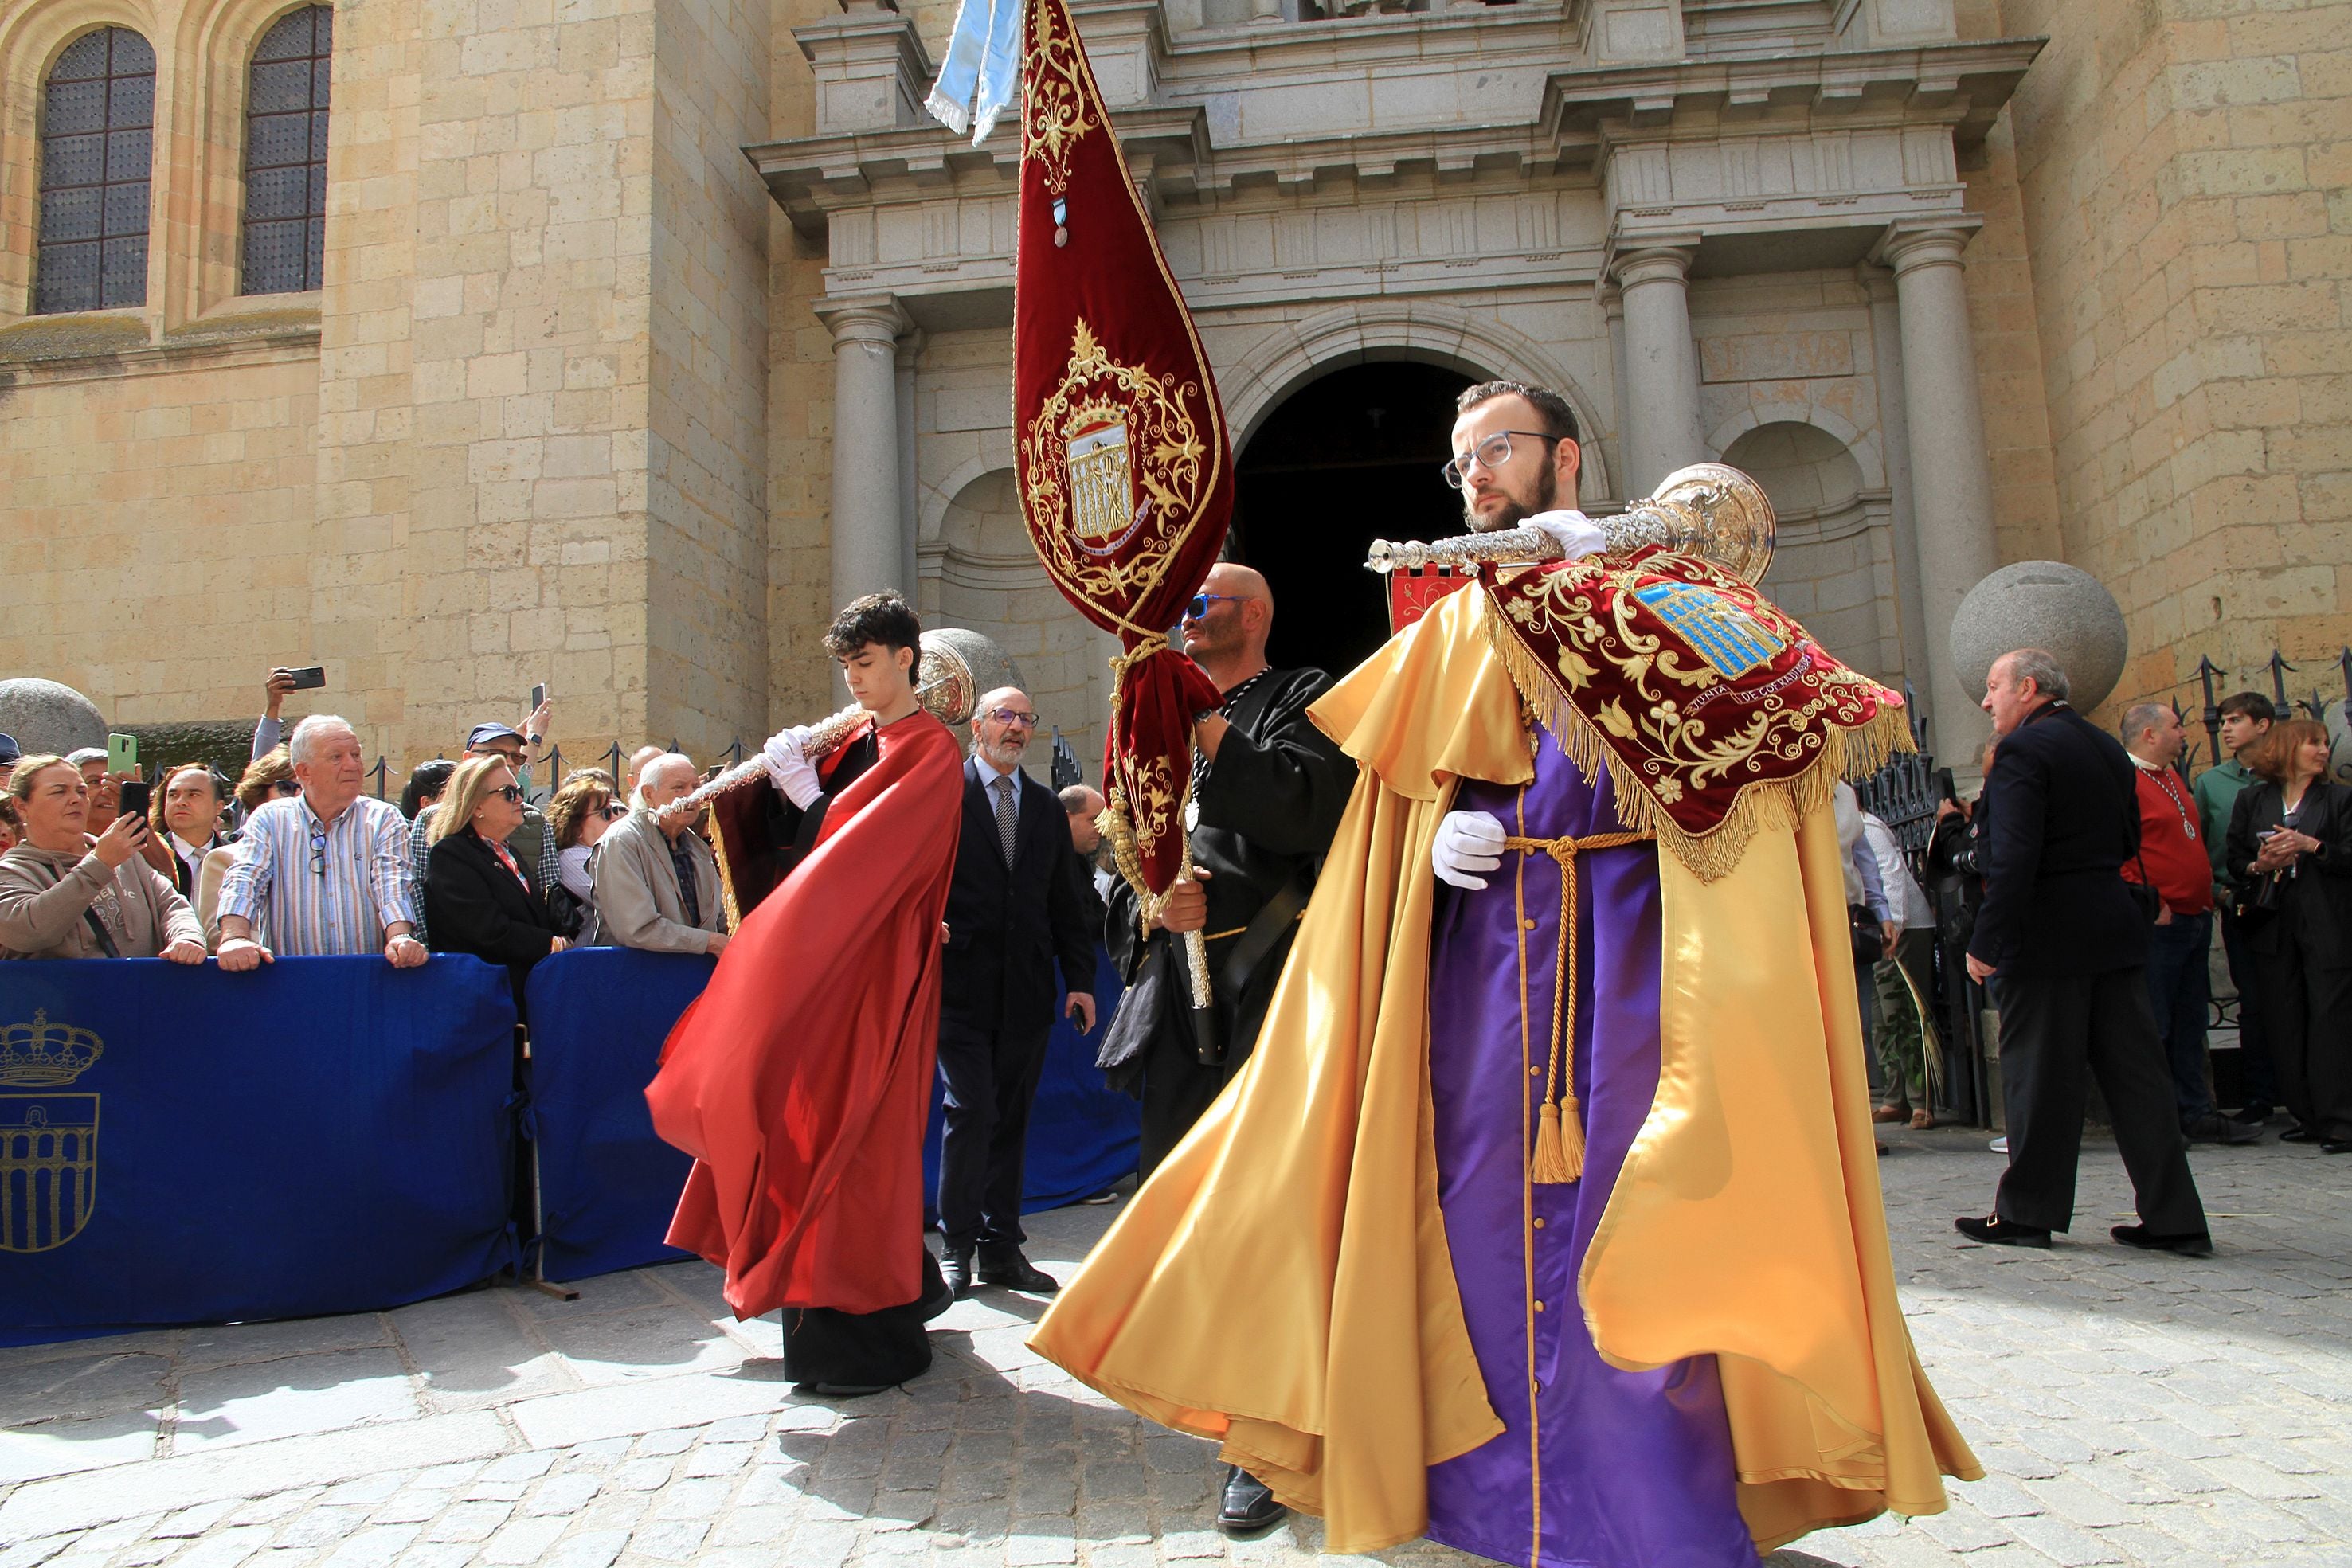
[1465,105]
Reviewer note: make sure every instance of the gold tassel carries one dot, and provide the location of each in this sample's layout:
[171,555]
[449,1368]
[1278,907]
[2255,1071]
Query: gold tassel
[1560,1146]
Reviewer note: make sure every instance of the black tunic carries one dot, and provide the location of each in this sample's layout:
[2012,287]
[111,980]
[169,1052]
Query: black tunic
[1268,809]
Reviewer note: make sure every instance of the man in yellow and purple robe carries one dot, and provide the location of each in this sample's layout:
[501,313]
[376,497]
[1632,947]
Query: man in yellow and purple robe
[1546,1219]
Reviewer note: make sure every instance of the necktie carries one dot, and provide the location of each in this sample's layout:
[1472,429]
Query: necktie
[1008,817]
[506,858]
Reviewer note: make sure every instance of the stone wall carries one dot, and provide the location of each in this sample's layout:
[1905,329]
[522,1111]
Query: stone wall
[2185,167]
[156,528]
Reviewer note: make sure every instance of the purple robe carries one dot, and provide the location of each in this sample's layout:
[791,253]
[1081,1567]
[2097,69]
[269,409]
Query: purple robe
[1596,1468]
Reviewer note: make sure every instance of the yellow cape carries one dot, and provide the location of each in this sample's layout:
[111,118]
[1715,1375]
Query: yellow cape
[1283,1282]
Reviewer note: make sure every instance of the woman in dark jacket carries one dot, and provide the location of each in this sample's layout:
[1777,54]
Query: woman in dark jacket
[2290,862]
[478,897]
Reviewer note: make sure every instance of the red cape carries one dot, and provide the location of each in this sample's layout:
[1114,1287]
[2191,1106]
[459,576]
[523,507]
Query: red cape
[800,1079]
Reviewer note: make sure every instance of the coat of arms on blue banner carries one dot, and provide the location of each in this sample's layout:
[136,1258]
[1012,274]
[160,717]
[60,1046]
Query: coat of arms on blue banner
[48,1141]
[1725,636]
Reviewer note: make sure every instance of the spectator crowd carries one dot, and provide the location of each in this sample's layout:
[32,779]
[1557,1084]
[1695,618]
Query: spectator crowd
[294,858]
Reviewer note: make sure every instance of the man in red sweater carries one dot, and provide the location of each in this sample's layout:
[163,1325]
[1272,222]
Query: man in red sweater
[2173,859]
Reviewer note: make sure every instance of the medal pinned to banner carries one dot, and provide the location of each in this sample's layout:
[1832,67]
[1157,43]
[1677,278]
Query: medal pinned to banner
[1122,457]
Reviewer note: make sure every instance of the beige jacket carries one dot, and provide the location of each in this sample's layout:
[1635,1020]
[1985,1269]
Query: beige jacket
[44,895]
[634,886]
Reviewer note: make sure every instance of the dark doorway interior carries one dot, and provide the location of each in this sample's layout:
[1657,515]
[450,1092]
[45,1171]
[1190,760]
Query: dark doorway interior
[1349,458]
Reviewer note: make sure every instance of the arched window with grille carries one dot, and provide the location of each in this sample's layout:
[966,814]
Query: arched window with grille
[286,153]
[98,137]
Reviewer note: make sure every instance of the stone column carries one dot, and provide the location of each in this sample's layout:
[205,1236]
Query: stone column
[1661,366]
[865,504]
[910,514]
[1951,478]
[1894,448]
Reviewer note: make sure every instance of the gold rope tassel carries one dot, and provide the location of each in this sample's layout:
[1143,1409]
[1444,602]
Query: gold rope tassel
[1558,1154]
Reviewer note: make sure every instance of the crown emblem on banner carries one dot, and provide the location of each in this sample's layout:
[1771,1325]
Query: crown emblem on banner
[41,1054]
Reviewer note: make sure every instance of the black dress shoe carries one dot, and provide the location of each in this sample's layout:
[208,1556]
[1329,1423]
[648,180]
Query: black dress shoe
[1999,1232]
[2252,1116]
[935,1298]
[955,1268]
[1247,1505]
[847,1390]
[1009,1268]
[2187,1243]
[2336,1146]
[2298,1135]
[2219,1129]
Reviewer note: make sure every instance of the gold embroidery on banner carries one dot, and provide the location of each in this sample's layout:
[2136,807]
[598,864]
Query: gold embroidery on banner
[1055,97]
[48,1141]
[1114,436]
[1665,744]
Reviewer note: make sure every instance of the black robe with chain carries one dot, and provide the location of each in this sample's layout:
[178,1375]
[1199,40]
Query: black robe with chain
[1269,808]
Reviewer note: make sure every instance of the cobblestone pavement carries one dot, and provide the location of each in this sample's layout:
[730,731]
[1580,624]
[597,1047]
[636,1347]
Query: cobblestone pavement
[2131,1409]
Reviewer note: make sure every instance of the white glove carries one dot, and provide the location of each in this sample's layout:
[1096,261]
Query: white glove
[789,769]
[1467,841]
[1575,533]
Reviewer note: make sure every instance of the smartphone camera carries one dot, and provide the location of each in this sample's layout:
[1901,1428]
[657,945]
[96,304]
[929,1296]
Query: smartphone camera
[136,794]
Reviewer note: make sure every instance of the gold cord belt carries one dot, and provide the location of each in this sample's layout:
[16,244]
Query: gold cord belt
[1559,1139]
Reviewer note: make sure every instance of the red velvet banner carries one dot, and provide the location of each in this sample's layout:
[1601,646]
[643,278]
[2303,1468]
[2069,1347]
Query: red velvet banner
[1124,465]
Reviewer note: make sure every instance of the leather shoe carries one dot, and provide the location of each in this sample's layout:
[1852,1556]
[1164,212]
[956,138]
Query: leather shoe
[2187,1243]
[955,1268]
[2252,1116]
[2336,1146]
[1999,1232]
[2298,1135]
[1247,1505]
[2219,1129]
[1015,1272]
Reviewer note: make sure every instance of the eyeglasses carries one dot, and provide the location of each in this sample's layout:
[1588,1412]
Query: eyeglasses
[1490,454]
[1014,716]
[1201,602]
[318,850]
[286,789]
[612,812]
[511,793]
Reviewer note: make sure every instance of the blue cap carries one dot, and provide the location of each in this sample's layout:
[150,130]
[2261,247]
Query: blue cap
[9,750]
[482,735]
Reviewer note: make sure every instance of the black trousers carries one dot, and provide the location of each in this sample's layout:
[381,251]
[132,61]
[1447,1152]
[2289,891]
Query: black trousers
[2307,1024]
[992,1078]
[2054,1031]
[861,1349]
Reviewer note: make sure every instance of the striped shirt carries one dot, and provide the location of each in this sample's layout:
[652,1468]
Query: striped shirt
[312,889]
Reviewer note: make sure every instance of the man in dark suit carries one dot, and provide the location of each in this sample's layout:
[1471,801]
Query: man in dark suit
[1019,906]
[2064,943]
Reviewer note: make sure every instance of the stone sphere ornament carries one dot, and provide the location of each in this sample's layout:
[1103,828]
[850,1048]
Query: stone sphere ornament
[46,717]
[2042,604]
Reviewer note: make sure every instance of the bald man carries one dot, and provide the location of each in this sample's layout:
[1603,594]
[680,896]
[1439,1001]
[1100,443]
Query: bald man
[1267,791]
[1018,908]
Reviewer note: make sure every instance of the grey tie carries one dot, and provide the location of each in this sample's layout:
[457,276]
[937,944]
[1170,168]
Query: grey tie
[1008,817]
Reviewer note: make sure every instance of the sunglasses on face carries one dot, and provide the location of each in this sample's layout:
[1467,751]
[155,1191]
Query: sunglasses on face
[1200,603]
[511,793]
[286,789]
[613,813]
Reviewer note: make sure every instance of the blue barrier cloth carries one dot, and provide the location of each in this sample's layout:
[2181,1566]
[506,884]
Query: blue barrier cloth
[1082,1134]
[182,1145]
[607,1184]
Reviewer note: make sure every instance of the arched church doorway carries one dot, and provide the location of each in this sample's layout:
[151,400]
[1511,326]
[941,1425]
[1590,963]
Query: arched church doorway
[1348,458]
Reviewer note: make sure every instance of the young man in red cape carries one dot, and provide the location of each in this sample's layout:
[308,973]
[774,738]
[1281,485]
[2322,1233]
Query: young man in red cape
[800,1079]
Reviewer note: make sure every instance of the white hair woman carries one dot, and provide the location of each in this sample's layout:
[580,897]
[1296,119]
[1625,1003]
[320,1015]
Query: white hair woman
[66,894]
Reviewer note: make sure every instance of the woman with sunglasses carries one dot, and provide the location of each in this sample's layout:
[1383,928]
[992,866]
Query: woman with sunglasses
[578,815]
[479,896]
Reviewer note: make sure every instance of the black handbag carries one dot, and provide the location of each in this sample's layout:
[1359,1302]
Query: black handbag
[1869,937]
[1136,1020]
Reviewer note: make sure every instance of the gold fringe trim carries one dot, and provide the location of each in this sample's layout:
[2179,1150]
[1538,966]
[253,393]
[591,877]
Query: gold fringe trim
[1846,753]
[1559,1144]
[732,911]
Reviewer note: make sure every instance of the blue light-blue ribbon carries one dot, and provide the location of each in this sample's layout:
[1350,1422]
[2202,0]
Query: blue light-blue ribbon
[983,68]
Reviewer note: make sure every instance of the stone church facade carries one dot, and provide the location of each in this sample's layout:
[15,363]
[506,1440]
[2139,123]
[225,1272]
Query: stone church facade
[637,334]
